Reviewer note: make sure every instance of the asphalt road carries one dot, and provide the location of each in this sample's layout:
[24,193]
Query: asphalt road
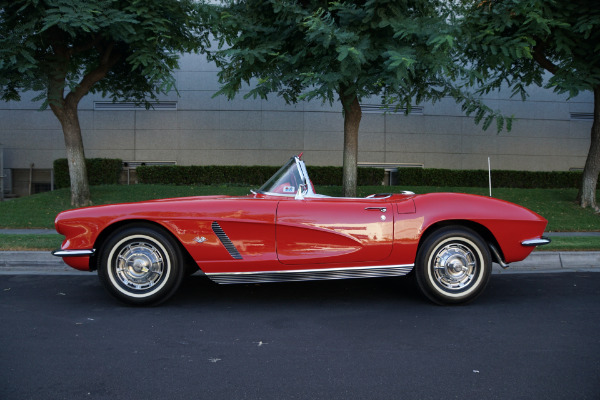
[530,336]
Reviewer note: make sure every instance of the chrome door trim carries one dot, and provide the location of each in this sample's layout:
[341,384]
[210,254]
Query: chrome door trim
[376,271]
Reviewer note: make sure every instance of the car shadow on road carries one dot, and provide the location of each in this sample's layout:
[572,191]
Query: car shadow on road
[508,290]
[198,289]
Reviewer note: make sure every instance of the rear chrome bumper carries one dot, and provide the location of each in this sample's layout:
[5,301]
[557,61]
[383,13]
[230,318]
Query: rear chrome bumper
[73,253]
[536,242]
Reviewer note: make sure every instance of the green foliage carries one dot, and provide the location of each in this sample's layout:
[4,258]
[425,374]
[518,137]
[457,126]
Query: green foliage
[480,178]
[514,41]
[65,49]
[101,171]
[243,175]
[122,49]
[402,51]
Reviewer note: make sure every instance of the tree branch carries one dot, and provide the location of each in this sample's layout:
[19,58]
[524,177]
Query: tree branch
[57,72]
[540,57]
[87,46]
[108,58]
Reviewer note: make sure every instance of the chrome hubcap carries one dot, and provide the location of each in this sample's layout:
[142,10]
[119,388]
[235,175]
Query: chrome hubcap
[455,266]
[140,265]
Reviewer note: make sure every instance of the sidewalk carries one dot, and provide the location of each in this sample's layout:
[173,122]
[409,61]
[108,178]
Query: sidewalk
[44,263]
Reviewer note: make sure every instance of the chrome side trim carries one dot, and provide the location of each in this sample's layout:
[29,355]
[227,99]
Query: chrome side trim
[536,242]
[497,257]
[233,252]
[73,253]
[379,196]
[310,274]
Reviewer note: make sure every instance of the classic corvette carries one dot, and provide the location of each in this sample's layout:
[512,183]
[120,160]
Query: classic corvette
[285,231]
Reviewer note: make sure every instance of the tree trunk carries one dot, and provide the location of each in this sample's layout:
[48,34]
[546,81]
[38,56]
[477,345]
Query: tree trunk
[80,189]
[587,192]
[352,117]
[65,107]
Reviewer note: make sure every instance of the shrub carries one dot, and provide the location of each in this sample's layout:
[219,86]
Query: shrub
[244,175]
[100,171]
[203,175]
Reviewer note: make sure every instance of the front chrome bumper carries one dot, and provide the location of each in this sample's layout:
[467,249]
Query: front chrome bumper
[536,242]
[73,253]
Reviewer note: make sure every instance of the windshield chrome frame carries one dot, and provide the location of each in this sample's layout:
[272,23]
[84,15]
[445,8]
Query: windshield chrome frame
[305,181]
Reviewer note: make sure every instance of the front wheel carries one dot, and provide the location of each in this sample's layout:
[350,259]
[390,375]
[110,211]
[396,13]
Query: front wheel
[141,265]
[453,266]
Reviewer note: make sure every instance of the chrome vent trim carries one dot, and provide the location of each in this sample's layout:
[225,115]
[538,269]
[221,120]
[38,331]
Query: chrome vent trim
[310,274]
[233,252]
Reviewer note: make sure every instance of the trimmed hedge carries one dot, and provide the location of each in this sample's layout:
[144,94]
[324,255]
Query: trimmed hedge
[479,178]
[203,175]
[333,176]
[103,171]
[100,171]
[244,175]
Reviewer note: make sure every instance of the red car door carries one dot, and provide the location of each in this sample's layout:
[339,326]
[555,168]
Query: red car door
[333,230]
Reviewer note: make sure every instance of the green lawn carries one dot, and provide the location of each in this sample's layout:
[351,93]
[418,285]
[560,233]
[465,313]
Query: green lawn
[30,242]
[39,211]
[577,243]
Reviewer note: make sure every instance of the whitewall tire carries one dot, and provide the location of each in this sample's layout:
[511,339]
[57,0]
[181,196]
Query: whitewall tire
[453,266]
[141,265]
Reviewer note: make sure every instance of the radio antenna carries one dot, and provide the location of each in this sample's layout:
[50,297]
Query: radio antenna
[490,175]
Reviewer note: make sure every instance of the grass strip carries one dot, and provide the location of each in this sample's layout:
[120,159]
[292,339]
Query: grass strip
[30,242]
[39,211]
[577,243]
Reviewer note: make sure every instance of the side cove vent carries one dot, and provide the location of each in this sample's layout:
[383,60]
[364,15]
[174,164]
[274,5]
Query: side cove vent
[227,243]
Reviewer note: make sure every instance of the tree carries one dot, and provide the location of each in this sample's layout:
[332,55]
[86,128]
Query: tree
[403,51]
[64,49]
[513,42]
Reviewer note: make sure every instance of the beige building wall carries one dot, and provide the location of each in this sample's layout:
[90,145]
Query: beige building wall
[550,133]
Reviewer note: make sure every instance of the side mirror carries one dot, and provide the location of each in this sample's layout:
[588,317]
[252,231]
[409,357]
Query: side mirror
[302,190]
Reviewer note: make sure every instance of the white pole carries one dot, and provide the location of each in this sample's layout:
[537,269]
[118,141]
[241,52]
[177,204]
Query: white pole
[490,175]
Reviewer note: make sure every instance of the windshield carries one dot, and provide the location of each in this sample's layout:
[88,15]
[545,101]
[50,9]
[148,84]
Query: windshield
[286,181]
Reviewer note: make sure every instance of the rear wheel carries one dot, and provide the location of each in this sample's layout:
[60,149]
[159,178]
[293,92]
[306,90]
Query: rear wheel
[453,266]
[141,265]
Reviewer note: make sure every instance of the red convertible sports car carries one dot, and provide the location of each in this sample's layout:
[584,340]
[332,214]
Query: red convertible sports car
[286,232]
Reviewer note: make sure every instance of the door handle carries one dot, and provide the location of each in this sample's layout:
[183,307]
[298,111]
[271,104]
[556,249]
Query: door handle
[382,209]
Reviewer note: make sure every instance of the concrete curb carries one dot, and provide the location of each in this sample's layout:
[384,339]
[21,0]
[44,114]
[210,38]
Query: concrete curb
[554,261]
[34,263]
[44,263]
